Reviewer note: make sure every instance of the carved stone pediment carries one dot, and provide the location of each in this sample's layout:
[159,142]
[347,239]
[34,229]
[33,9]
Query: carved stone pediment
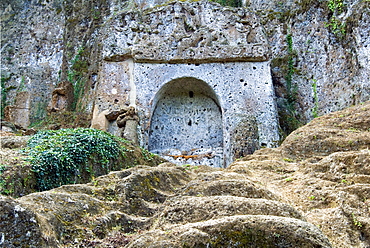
[186,32]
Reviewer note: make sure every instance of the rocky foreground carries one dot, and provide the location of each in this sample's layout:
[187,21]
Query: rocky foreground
[312,191]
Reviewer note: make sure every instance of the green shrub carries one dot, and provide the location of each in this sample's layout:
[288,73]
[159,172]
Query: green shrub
[2,182]
[336,25]
[66,155]
[4,91]
[231,3]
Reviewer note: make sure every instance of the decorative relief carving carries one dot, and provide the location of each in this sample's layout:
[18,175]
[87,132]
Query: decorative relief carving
[183,31]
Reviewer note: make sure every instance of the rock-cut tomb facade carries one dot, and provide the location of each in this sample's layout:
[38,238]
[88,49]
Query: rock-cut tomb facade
[198,76]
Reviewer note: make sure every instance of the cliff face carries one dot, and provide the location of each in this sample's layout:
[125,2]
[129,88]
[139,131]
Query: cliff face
[319,53]
[322,49]
[32,53]
[43,44]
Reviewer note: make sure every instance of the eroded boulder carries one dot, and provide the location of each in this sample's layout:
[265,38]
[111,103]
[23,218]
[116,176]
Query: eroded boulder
[237,231]
[262,200]
[18,225]
[322,169]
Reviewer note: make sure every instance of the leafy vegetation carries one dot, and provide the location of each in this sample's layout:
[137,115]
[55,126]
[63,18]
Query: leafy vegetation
[65,119]
[315,109]
[76,76]
[356,222]
[231,3]
[2,181]
[337,27]
[289,116]
[335,5]
[67,156]
[291,91]
[4,92]
[22,85]
[61,157]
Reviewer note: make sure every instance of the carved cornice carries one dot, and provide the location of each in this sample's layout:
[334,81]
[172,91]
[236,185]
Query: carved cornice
[187,32]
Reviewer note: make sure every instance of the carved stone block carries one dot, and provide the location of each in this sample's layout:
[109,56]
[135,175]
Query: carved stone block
[187,32]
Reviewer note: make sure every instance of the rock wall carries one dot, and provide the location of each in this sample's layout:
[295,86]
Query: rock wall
[329,52]
[45,43]
[31,56]
[319,52]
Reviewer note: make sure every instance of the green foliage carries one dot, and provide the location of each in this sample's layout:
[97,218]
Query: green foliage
[146,154]
[356,222]
[4,92]
[292,93]
[95,14]
[290,116]
[315,109]
[337,27]
[22,86]
[231,3]
[5,186]
[336,6]
[61,157]
[2,168]
[76,76]
[2,181]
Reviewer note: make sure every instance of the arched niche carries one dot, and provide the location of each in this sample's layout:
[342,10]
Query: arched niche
[186,124]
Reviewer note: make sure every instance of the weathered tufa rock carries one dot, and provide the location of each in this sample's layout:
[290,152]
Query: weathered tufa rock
[184,32]
[323,170]
[187,209]
[62,97]
[345,130]
[6,126]
[13,142]
[35,57]
[129,121]
[19,112]
[262,201]
[143,198]
[237,231]
[19,226]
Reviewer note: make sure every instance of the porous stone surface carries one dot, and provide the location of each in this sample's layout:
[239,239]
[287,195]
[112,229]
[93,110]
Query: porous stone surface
[322,170]
[62,97]
[32,52]
[237,98]
[97,46]
[18,225]
[189,110]
[186,209]
[186,32]
[237,231]
[20,111]
[312,196]
[337,63]
[13,141]
[340,131]
[142,198]
[42,38]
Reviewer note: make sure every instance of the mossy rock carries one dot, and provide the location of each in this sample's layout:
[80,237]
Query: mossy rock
[237,231]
